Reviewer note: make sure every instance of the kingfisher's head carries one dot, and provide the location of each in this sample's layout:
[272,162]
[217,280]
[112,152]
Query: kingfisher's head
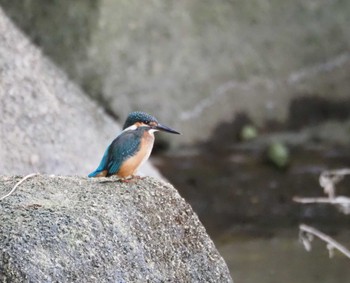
[141,119]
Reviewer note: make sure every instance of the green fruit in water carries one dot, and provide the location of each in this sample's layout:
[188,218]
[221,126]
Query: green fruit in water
[278,154]
[248,132]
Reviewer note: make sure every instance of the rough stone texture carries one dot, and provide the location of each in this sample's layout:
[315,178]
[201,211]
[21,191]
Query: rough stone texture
[47,124]
[196,63]
[74,229]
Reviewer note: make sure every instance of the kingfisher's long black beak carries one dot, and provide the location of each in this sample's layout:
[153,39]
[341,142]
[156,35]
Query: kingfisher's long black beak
[166,129]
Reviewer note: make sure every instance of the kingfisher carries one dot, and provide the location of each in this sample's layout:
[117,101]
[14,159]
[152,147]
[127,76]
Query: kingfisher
[131,148]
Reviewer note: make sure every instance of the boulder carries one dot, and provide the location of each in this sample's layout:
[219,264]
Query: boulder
[65,229]
[47,123]
[195,64]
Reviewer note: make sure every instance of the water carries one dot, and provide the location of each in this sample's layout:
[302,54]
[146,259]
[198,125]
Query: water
[247,207]
[282,258]
[235,187]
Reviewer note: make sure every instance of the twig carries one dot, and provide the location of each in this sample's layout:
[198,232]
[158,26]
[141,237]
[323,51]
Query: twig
[341,203]
[336,200]
[331,243]
[18,183]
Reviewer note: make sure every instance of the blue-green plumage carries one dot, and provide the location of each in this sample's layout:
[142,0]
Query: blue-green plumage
[123,147]
[137,132]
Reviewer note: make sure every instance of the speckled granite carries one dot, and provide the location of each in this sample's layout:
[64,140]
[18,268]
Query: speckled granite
[74,229]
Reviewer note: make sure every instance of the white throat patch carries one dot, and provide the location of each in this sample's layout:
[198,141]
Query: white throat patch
[151,131]
[131,128]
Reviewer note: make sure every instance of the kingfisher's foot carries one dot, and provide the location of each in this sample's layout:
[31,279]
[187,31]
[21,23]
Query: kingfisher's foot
[126,180]
[106,179]
[137,177]
[131,179]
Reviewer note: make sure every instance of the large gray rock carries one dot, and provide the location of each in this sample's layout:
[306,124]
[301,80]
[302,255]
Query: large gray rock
[196,63]
[47,123]
[74,229]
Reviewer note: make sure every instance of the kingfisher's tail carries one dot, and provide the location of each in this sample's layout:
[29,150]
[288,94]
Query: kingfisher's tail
[98,173]
[101,169]
[92,174]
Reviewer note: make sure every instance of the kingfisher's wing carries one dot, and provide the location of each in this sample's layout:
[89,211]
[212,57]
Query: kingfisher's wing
[123,147]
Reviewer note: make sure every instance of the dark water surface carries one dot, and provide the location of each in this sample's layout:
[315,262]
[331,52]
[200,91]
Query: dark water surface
[234,188]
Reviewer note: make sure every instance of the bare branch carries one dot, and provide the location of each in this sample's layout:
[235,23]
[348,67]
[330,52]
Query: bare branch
[336,200]
[306,231]
[341,202]
[18,183]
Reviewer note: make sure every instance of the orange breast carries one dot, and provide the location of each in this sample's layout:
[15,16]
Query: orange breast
[130,166]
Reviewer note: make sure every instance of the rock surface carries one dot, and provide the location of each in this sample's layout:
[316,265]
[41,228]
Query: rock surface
[196,63]
[65,229]
[47,123]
